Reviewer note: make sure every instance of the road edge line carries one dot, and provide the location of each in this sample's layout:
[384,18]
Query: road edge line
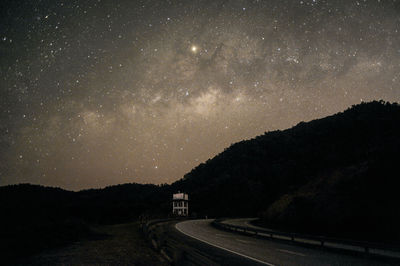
[217,246]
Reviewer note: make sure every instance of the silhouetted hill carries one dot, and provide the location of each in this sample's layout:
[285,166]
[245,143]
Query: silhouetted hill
[35,217]
[109,205]
[344,165]
[336,175]
[121,203]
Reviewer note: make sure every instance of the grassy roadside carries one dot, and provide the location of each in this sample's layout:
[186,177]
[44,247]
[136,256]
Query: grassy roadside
[121,244]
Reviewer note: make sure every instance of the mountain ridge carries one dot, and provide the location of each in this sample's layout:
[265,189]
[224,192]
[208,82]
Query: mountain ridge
[342,162]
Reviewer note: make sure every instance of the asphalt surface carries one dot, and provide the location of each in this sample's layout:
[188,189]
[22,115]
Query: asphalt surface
[246,222]
[237,249]
[206,254]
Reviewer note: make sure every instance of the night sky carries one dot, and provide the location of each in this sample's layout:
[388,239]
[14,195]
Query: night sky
[96,93]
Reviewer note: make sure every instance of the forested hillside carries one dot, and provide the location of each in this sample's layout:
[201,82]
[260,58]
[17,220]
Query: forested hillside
[333,175]
[336,176]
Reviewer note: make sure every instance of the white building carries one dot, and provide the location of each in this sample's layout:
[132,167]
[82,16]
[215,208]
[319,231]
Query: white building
[180,204]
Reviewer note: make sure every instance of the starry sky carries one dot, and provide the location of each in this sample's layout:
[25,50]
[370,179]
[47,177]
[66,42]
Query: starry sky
[96,93]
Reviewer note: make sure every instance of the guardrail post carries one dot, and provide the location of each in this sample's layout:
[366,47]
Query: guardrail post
[366,249]
[322,243]
[292,238]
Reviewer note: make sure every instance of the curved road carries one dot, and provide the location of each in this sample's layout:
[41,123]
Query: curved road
[246,222]
[260,251]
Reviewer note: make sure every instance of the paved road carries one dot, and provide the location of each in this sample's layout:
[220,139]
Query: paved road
[260,251]
[246,222]
[209,255]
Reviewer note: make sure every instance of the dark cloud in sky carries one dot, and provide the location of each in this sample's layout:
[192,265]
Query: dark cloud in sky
[95,93]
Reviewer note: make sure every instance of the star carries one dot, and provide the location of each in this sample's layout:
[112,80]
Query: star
[97,89]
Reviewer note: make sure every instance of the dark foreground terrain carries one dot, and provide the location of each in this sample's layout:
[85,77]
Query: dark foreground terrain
[120,244]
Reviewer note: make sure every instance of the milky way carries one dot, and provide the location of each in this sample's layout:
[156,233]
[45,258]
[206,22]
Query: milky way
[96,93]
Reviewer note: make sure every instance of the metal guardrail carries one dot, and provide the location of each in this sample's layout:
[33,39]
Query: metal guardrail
[328,242]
